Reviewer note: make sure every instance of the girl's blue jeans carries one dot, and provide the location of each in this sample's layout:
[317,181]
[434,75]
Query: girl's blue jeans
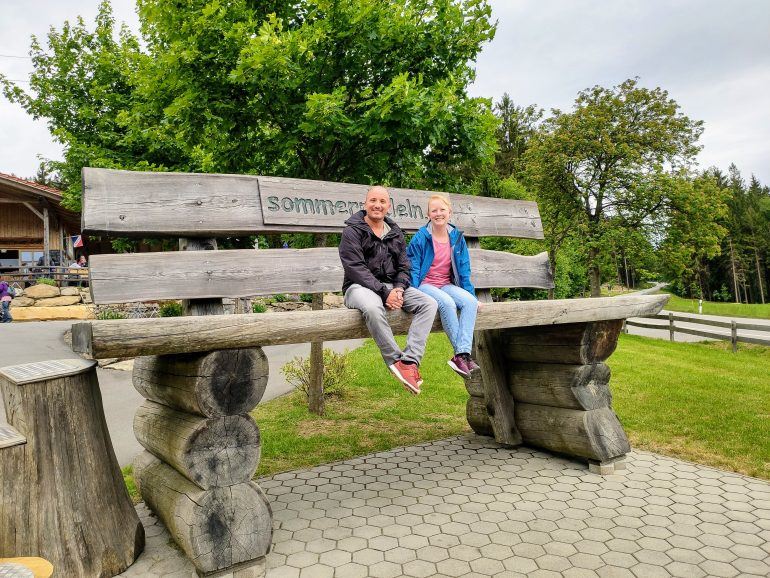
[5,314]
[451,300]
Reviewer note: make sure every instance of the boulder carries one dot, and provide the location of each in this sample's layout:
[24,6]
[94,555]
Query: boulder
[41,291]
[290,306]
[69,291]
[52,313]
[58,301]
[332,301]
[22,302]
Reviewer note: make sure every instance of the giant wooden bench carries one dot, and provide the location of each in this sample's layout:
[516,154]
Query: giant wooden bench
[542,380]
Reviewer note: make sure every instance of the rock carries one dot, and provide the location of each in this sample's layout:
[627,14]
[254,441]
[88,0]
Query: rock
[290,306]
[58,301]
[52,313]
[332,301]
[86,297]
[22,302]
[41,291]
[69,291]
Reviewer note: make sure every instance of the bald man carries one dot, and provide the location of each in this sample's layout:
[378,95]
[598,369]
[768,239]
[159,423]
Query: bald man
[377,279]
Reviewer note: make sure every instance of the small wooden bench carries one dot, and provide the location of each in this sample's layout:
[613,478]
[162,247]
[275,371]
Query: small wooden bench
[542,380]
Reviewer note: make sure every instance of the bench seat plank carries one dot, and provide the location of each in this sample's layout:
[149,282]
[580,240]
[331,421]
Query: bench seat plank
[131,277]
[149,204]
[134,337]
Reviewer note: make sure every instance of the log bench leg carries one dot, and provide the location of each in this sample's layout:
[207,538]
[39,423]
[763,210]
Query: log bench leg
[560,388]
[62,495]
[202,449]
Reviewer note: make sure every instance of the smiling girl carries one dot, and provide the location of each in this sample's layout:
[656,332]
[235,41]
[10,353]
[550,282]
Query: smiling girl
[441,268]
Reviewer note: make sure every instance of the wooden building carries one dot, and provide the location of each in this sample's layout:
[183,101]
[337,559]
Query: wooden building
[34,228]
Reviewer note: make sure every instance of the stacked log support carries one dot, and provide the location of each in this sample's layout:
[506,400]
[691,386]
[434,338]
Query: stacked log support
[560,388]
[202,449]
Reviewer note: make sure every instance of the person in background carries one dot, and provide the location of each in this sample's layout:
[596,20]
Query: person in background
[81,263]
[441,268]
[6,296]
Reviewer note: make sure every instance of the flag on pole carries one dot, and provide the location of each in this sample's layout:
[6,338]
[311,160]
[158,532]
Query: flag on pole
[77,241]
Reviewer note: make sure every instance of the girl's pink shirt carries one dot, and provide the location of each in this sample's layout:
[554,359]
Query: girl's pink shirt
[438,274]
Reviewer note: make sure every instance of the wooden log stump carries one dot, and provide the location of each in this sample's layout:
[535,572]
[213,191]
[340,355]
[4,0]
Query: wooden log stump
[478,418]
[212,452]
[594,435]
[558,385]
[62,495]
[216,383]
[570,343]
[217,528]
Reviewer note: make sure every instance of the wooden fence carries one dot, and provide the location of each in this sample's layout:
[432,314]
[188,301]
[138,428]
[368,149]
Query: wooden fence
[63,276]
[732,325]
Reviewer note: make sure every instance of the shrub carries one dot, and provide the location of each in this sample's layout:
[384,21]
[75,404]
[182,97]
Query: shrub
[258,307]
[170,309]
[45,281]
[306,297]
[280,298]
[110,314]
[338,372]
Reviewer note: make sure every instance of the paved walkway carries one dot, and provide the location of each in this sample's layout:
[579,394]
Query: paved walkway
[467,507]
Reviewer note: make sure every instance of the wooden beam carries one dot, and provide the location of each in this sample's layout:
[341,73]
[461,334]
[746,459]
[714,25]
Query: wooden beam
[34,210]
[127,203]
[46,239]
[245,273]
[134,337]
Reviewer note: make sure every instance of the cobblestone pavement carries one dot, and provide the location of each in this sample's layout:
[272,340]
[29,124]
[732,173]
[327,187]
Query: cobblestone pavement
[465,506]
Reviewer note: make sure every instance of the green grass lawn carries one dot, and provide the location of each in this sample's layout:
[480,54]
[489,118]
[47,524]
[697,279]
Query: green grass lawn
[756,310]
[698,402]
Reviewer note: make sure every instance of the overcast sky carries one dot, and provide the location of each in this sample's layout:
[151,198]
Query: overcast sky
[712,56]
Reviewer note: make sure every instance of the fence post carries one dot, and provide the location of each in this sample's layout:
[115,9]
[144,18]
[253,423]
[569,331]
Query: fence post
[671,327]
[734,335]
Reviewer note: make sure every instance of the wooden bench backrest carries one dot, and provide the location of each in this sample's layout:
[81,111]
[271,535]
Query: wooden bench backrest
[132,204]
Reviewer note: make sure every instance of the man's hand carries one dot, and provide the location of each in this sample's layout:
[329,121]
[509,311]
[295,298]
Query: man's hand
[395,299]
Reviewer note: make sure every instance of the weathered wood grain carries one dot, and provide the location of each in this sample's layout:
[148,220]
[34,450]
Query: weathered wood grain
[210,451]
[217,383]
[477,416]
[135,337]
[126,203]
[217,528]
[575,343]
[558,385]
[595,434]
[62,495]
[208,304]
[131,277]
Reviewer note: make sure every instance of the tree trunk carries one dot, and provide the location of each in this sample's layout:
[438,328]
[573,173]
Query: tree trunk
[62,495]
[594,273]
[759,276]
[736,289]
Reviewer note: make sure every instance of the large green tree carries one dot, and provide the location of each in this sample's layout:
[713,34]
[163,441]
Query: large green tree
[607,163]
[347,90]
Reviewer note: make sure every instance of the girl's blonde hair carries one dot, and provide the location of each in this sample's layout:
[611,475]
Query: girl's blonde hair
[441,198]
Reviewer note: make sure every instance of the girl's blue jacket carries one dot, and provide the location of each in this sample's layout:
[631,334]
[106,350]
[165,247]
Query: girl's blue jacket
[420,253]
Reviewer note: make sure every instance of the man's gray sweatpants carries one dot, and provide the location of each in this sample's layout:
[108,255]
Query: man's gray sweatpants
[370,304]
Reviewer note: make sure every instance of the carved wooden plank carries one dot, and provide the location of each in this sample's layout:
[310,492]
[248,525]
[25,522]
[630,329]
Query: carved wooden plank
[217,528]
[569,386]
[577,343]
[227,382]
[62,495]
[595,434]
[212,452]
[126,203]
[135,337]
[244,273]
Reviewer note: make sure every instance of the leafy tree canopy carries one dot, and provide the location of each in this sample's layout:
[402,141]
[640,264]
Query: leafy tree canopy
[347,90]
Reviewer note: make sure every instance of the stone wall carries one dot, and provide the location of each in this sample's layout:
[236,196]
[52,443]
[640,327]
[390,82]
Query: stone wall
[46,302]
